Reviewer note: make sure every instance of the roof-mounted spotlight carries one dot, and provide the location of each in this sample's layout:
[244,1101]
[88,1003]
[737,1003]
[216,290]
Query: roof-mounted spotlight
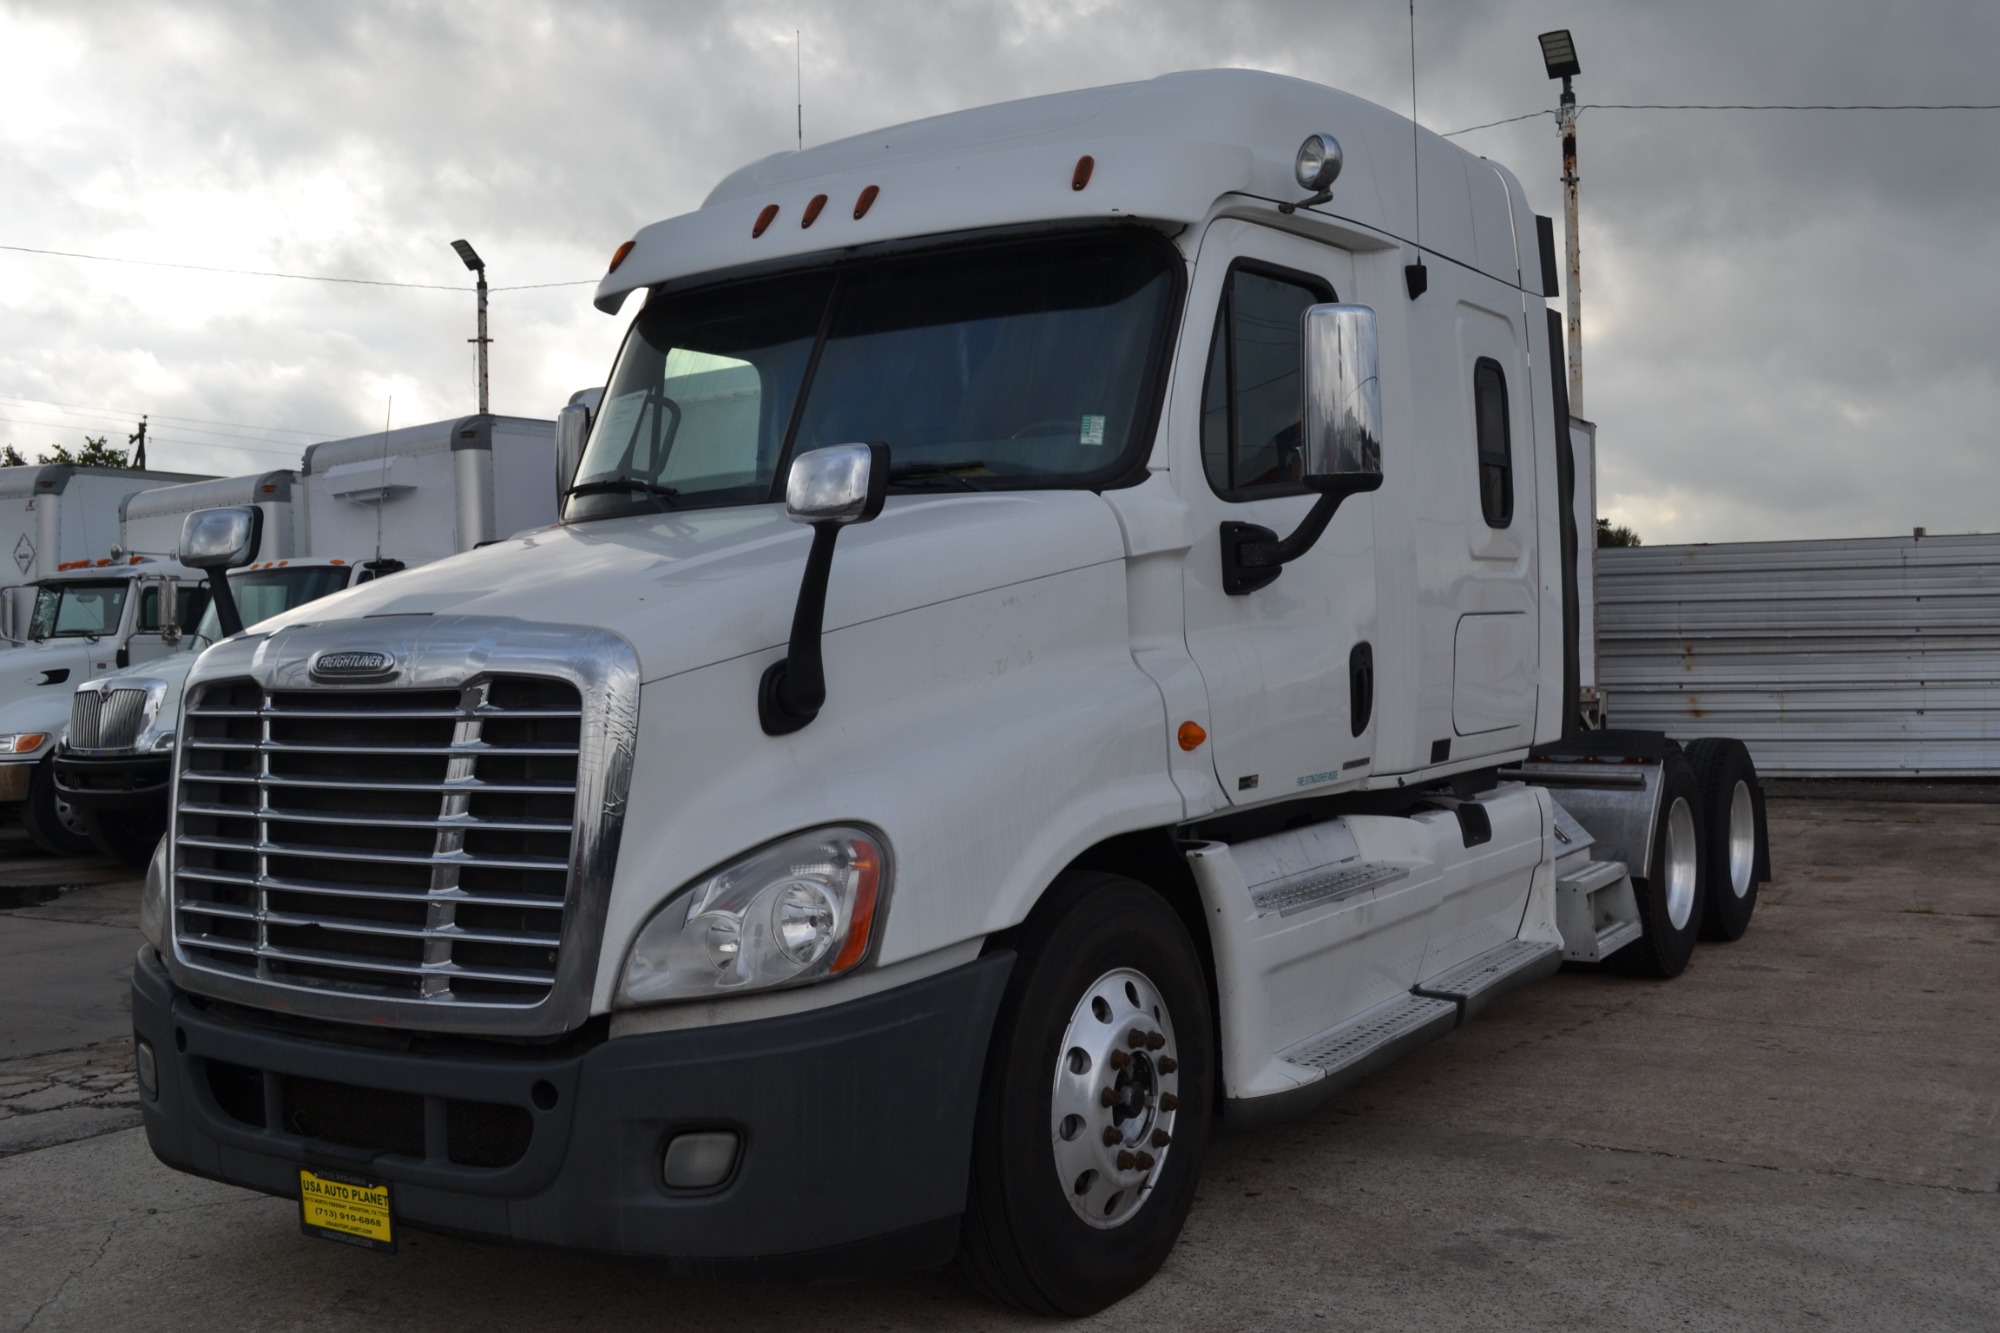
[1315,168]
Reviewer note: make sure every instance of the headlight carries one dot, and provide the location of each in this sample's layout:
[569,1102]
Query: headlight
[798,911]
[153,900]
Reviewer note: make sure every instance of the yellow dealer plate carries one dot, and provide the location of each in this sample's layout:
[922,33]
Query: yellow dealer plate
[345,1208]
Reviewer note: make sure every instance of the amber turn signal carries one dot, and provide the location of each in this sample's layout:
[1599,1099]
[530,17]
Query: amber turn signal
[1191,735]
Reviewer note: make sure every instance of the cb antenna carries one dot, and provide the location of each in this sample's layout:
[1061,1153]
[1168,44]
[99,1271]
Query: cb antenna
[799,80]
[1415,277]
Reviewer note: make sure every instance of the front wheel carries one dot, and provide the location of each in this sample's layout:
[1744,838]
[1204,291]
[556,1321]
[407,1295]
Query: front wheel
[1096,1104]
[53,824]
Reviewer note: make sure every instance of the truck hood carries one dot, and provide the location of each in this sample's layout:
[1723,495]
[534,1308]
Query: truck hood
[703,586]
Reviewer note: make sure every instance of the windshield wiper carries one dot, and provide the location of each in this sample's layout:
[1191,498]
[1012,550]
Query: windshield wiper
[662,496]
[941,473]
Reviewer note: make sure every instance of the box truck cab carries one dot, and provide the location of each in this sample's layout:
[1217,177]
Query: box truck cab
[87,618]
[1060,630]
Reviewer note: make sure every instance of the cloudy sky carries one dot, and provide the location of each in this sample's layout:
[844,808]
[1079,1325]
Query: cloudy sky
[1792,319]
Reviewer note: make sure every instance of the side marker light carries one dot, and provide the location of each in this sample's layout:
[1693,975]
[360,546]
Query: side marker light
[866,201]
[1191,736]
[1081,176]
[618,255]
[812,211]
[764,221]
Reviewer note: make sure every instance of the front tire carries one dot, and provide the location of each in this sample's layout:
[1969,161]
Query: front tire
[1095,1107]
[1671,892]
[53,824]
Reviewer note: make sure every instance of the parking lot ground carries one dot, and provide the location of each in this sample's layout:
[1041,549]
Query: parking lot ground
[1803,1131]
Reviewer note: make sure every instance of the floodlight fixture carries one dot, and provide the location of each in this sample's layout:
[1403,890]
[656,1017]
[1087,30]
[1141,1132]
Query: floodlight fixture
[1559,54]
[469,255]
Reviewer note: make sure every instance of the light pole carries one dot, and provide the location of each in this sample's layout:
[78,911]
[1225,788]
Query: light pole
[478,265]
[1559,57]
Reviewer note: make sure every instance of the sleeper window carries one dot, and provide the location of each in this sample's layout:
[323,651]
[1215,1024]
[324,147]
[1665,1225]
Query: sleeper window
[1496,459]
[1250,428]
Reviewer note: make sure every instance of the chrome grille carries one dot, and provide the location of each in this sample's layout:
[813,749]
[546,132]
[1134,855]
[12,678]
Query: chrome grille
[408,844]
[100,721]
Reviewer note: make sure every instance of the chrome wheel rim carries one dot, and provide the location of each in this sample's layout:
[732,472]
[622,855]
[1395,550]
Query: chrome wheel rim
[1117,1080]
[1678,863]
[1742,840]
[71,818]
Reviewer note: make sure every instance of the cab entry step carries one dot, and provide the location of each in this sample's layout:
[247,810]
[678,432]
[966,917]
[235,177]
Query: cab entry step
[1477,982]
[1323,885]
[1376,1038]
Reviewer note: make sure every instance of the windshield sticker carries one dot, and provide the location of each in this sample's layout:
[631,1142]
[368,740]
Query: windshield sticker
[1092,433]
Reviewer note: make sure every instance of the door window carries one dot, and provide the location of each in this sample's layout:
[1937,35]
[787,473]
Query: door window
[1250,405]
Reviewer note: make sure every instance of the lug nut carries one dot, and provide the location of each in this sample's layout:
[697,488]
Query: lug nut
[1119,1059]
[1166,1064]
[1169,1102]
[1161,1138]
[1156,1041]
[1112,1137]
[1136,1039]
[1108,1097]
[1126,1161]
[1144,1160]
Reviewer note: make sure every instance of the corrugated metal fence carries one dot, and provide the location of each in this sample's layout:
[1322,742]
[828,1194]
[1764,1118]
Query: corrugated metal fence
[1857,657]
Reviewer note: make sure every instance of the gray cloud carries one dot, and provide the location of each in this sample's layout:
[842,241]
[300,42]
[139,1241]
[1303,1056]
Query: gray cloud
[1788,316]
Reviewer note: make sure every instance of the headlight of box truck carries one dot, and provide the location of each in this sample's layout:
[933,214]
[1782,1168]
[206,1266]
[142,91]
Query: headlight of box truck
[803,909]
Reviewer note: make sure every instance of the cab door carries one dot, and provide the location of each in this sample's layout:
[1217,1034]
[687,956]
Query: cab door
[1288,668]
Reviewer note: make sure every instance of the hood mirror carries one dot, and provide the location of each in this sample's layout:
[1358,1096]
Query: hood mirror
[219,540]
[828,488]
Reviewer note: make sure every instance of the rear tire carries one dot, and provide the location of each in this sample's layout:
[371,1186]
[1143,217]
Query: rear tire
[1074,1203]
[1670,894]
[1732,817]
[123,836]
[53,824]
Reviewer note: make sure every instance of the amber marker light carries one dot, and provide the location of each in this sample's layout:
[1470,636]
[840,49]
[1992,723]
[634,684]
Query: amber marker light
[29,741]
[1191,735]
[865,201]
[1081,176]
[812,211]
[764,221]
[868,874]
[618,255]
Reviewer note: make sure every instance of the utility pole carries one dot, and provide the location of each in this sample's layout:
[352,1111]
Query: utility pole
[478,266]
[1559,57]
[138,439]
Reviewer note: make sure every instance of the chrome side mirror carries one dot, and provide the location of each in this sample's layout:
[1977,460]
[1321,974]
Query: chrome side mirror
[1343,394]
[219,540]
[170,610]
[1341,417]
[828,488]
[843,483]
[572,431]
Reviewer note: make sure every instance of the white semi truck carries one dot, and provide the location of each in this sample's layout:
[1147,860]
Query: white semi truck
[359,508]
[1062,628]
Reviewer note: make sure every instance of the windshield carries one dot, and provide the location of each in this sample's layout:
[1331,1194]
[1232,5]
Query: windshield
[265,593]
[1024,365]
[70,610]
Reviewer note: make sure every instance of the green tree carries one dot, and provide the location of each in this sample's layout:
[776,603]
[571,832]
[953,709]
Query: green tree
[11,457]
[1615,534]
[96,452]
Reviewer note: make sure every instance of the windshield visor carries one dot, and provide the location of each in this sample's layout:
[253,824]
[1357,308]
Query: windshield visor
[75,610]
[1024,365]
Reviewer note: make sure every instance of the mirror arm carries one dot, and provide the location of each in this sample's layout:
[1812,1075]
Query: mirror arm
[227,618]
[1253,556]
[794,687]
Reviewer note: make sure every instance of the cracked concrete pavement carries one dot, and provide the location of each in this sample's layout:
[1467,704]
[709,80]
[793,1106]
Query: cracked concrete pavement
[1801,1132]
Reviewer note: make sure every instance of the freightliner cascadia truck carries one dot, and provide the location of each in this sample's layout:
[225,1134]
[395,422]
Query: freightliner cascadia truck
[1061,632]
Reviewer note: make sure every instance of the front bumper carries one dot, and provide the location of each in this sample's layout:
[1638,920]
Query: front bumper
[855,1123]
[15,779]
[124,782]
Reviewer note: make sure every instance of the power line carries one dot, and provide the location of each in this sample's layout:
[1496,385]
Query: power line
[157,438]
[1741,106]
[126,418]
[296,277]
[167,416]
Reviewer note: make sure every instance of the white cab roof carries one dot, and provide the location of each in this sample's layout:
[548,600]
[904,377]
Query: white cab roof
[1163,151]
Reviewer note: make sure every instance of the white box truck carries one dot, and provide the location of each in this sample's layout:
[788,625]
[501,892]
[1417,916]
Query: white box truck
[150,522]
[54,513]
[1063,628]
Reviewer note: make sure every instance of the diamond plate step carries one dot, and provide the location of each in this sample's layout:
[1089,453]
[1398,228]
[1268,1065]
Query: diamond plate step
[1365,1044]
[1323,885]
[1477,982]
